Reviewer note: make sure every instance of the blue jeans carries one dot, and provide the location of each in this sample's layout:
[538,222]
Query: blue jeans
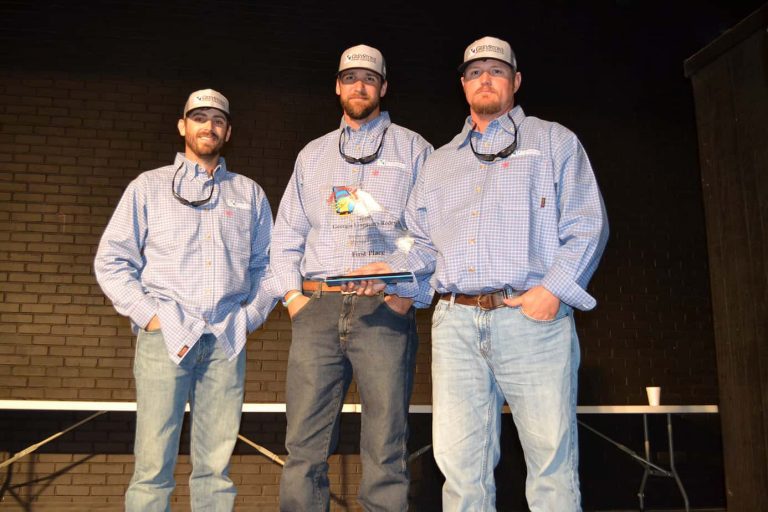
[479,360]
[334,336]
[214,387]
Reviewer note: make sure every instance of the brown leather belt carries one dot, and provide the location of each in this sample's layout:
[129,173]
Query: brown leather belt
[313,286]
[486,301]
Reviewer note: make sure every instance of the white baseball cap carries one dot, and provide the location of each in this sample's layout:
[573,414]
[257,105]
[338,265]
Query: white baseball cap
[206,98]
[489,48]
[365,57]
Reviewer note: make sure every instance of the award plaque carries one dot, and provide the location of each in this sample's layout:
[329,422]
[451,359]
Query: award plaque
[388,278]
[373,224]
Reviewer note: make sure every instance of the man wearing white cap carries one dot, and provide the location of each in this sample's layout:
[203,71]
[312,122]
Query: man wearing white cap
[184,257]
[342,210]
[511,217]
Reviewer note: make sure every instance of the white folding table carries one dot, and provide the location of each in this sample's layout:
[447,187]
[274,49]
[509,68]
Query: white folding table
[650,468]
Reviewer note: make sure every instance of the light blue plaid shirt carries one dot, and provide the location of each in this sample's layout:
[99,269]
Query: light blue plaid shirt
[198,269]
[313,241]
[533,218]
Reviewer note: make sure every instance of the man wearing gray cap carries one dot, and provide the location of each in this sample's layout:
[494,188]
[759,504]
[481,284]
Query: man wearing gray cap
[342,210]
[511,217]
[184,257]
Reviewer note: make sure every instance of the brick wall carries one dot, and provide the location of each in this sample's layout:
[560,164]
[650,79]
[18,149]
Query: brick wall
[89,99]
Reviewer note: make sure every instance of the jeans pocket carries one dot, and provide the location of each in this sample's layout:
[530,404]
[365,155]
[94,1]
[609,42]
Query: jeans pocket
[304,308]
[389,308]
[439,314]
[561,313]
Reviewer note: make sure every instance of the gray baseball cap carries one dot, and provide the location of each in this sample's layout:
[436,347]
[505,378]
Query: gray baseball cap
[206,98]
[489,48]
[365,57]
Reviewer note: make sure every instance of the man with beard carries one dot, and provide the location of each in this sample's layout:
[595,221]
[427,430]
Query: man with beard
[343,209]
[511,217]
[184,256]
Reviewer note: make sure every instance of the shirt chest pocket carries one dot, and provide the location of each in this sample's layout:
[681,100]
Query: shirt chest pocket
[513,187]
[234,226]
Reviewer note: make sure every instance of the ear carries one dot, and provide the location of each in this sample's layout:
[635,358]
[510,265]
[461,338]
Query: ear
[518,80]
[383,90]
[182,127]
[338,88]
[229,133]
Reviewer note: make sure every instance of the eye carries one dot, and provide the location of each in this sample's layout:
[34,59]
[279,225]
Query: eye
[371,79]
[497,72]
[348,78]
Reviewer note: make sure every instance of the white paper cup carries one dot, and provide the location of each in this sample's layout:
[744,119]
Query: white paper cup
[654,395]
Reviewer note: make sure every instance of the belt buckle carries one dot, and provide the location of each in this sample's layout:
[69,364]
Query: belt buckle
[480,302]
[488,299]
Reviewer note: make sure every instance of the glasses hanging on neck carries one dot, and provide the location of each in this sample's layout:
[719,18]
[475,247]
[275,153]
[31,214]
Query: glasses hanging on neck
[362,160]
[504,153]
[186,202]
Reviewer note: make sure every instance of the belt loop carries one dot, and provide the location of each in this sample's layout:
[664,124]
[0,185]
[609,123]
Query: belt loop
[453,298]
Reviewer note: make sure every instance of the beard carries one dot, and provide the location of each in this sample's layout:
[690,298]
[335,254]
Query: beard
[486,106]
[204,148]
[359,110]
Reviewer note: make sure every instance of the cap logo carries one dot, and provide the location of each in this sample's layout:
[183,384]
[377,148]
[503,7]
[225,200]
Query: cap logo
[487,48]
[360,56]
[212,99]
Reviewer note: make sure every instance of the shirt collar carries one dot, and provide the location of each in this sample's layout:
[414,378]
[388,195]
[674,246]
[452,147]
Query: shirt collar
[374,127]
[502,122]
[193,169]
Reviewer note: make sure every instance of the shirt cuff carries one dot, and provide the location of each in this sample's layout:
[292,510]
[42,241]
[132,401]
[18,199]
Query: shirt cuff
[143,311]
[567,290]
[280,286]
[405,290]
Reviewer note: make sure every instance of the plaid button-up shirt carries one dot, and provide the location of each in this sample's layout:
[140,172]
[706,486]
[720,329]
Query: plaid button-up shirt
[533,218]
[198,269]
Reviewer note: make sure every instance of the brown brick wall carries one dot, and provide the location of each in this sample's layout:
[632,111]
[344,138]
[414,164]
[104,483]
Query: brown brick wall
[82,482]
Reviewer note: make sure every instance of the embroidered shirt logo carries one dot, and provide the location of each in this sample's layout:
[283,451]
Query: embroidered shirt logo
[240,205]
[389,163]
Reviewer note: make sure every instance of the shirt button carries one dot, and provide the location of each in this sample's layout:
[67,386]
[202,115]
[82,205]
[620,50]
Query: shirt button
[483,167]
[471,269]
[208,263]
[471,241]
[478,189]
[207,237]
[475,213]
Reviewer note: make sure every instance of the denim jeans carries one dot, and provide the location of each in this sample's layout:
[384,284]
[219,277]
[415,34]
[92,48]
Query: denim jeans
[334,336]
[479,360]
[214,387]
